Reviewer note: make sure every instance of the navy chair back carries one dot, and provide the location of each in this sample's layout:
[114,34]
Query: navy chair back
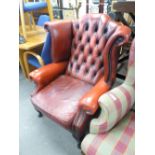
[42,19]
[46,51]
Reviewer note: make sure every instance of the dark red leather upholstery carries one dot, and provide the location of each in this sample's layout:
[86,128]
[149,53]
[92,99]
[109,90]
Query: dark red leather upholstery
[85,55]
[61,34]
[46,74]
[91,35]
[61,106]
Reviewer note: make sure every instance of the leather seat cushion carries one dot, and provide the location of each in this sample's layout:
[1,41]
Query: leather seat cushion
[60,99]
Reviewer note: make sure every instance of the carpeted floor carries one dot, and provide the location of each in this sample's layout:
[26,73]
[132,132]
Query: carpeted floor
[40,136]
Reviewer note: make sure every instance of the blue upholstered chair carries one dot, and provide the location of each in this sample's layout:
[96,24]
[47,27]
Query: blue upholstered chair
[38,60]
[27,8]
[31,6]
[42,19]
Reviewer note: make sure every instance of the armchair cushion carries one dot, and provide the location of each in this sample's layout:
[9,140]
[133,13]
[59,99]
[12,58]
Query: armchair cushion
[120,140]
[61,106]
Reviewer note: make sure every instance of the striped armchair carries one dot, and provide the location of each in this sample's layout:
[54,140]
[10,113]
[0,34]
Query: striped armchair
[113,132]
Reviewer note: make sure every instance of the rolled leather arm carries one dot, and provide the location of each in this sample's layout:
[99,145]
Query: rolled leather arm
[46,74]
[114,105]
[89,102]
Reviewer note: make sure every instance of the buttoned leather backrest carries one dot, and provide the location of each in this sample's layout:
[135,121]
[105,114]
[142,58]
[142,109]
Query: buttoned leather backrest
[90,39]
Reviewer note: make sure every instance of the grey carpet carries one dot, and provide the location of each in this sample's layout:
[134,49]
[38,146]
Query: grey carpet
[40,136]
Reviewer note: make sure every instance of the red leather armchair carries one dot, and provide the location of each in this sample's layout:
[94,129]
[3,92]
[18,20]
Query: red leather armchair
[84,54]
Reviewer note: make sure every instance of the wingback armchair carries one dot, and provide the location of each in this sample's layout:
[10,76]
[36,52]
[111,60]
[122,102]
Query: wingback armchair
[84,55]
[113,132]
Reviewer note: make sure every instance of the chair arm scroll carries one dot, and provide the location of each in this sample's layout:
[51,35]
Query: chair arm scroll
[44,75]
[89,102]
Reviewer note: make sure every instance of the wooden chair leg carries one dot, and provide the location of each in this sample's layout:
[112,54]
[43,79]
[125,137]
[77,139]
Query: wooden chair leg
[21,61]
[22,20]
[79,144]
[50,9]
[82,153]
[33,22]
[27,68]
[40,114]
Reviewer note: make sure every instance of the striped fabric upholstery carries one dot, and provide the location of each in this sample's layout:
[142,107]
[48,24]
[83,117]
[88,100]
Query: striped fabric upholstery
[114,105]
[117,102]
[119,141]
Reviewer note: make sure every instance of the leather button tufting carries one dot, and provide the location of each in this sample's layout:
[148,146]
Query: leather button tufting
[77,26]
[80,37]
[81,47]
[86,71]
[77,68]
[93,62]
[84,66]
[94,73]
[86,27]
[92,36]
[76,57]
[84,60]
[95,27]
[88,39]
[101,65]
[105,30]
[71,65]
[97,41]
[90,51]
[99,53]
